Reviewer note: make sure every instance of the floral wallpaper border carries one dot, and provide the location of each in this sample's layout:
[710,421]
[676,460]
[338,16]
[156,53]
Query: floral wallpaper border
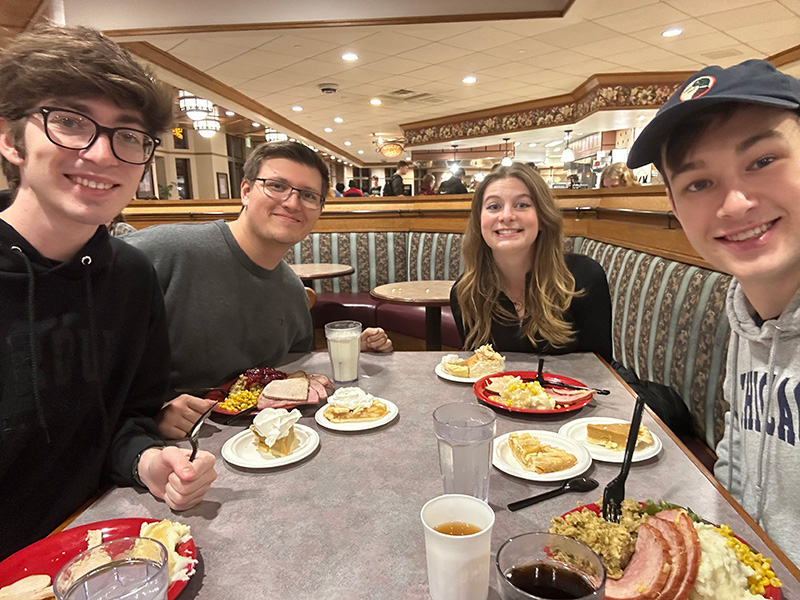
[599,98]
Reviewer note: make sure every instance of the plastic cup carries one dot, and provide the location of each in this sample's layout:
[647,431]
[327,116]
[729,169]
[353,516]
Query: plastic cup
[465,433]
[458,565]
[131,568]
[545,562]
[344,348]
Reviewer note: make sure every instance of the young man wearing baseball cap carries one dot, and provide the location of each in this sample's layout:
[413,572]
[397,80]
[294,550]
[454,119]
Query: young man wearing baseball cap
[728,146]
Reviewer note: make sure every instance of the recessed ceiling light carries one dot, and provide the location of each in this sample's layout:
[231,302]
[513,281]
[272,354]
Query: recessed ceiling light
[469,79]
[229,113]
[532,145]
[361,152]
[254,124]
[375,102]
[338,120]
[408,158]
[551,144]
[349,56]
[517,144]
[297,108]
[348,143]
[328,130]
[672,32]
[339,160]
[292,140]
[641,117]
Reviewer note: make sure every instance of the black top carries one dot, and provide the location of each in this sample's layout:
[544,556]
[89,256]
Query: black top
[394,186]
[453,186]
[590,315]
[84,367]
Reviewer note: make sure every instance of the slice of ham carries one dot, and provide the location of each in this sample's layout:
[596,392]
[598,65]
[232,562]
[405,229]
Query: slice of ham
[677,551]
[648,570]
[318,386]
[567,396]
[692,541]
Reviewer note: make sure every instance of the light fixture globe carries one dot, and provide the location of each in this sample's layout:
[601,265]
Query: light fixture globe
[195,108]
[567,155]
[207,128]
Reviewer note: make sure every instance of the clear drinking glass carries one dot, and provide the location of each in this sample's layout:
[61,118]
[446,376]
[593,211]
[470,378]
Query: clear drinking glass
[539,566]
[344,348]
[465,433]
[131,568]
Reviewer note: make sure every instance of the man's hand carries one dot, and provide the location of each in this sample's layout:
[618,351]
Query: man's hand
[177,416]
[169,475]
[374,339]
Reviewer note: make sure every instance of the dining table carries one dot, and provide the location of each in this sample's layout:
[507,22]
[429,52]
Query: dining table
[344,522]
[307,272]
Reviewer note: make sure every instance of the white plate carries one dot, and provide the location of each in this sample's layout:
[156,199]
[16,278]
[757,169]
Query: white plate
[439,370]
[503,459]
[320,418]
[240,450]
[576,430]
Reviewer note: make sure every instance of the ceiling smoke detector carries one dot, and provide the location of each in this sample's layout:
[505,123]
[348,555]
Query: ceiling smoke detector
[328,88]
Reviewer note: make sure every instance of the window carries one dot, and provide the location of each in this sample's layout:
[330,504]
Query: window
[237,149]
[183,178]
[363,179]
[180,138]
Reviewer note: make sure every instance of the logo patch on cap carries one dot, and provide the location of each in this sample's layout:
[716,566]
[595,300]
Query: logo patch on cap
[698,88]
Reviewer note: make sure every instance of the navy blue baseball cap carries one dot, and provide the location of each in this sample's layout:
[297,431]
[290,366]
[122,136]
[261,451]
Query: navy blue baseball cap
[751,82]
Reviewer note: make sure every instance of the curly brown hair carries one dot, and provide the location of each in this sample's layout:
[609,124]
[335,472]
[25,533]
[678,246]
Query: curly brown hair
[551,285]
[51,62]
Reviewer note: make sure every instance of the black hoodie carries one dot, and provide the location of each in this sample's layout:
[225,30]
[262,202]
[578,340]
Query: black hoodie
[84,366]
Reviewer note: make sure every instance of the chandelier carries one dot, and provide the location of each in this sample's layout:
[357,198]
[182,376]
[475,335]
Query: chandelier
[568,155]
[207,127]
[195,108]
[390,148]
[506,162]
[271,135]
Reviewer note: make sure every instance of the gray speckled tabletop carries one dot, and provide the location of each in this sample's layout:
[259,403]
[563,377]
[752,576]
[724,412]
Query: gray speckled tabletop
[344,522]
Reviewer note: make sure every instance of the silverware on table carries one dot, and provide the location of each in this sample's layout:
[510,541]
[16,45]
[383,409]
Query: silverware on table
[543,382]
[614,493]
[195,431]
[241,413]
[578,484]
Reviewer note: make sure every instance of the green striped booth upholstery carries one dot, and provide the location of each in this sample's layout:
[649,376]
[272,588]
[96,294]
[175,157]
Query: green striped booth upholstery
[380,257]
[669,326]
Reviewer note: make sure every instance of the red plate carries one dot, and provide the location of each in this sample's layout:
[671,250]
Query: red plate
[479,387]
[772,593]
[48,555]
[219,397]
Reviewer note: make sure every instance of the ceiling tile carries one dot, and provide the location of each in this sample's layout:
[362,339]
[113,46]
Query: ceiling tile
[615,45]
[768,29]
[588,67]
[533,27]
[338,35]
[502,85]
[436,73]
[294,45]
[554,60]
[584,33]
[316,68]
[595,9]
[435,53]
[477,61]
[764,12]
[165,42]
[436,31]
[481,39]
[697,9]
[644,56]
[641,18]
[510,70]
[396,66]
[521,48]
[247,40]
[265,61]
[692,28]
[702,43]
[678,63]
[774,45]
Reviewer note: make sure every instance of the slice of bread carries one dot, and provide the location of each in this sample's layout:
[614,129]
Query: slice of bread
[33,587]
[293,388]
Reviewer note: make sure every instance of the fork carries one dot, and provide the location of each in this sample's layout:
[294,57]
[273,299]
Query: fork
[614,493]
[543,382]
[195,431]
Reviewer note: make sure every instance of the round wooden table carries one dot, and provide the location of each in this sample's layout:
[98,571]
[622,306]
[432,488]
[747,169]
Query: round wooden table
[431,294]
[310,271]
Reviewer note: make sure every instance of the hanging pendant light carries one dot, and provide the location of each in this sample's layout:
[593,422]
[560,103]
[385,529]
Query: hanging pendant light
[195,108]
[454,164]
[567,155]
[506,162]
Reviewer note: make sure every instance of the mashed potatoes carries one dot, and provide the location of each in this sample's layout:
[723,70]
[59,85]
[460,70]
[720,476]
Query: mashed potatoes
[521,394]
[721,573]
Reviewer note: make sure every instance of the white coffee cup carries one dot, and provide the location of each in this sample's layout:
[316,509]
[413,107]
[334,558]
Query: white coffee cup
[458,565]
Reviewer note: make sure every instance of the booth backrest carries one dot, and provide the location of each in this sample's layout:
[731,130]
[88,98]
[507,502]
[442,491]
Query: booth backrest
[669,323]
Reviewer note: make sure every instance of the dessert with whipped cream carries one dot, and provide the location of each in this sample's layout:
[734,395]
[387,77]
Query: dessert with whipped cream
[172,534]
[273,431]
[485,361]
[354,405]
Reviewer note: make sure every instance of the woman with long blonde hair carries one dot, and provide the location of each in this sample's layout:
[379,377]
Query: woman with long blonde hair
[520,291]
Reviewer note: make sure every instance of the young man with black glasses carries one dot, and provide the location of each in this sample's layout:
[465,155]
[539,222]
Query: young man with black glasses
[232,301]
[84,349]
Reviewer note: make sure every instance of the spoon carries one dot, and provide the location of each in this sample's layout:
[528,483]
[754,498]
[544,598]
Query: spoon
[195,431]
[579,484]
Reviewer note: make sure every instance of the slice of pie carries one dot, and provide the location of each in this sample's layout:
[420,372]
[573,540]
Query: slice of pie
[282,447]
[533,455]
[614,436]
[361,414]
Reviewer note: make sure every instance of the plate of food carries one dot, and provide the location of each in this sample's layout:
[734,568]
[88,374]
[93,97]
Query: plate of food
[47,556]
[353,409]
[242,393]
[274,439]
[516,391]
[663,550]
[539,455]
[485,361]
[605,438]
[273,388]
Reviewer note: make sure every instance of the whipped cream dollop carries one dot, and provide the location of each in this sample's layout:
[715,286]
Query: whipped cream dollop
[351,398]
[451,358]
[275,423]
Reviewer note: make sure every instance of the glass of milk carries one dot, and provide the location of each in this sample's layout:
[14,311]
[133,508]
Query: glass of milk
[344,347]
[465,432]
[131,568]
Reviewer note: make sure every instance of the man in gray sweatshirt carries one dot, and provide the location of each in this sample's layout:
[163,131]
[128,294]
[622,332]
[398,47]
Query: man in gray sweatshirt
[728,146]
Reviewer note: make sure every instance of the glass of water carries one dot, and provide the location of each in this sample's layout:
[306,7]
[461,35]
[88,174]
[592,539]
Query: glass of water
[131,568]
[465,433]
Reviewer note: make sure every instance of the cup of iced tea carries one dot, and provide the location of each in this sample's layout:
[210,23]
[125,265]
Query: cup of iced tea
[547,566]
[458,539]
